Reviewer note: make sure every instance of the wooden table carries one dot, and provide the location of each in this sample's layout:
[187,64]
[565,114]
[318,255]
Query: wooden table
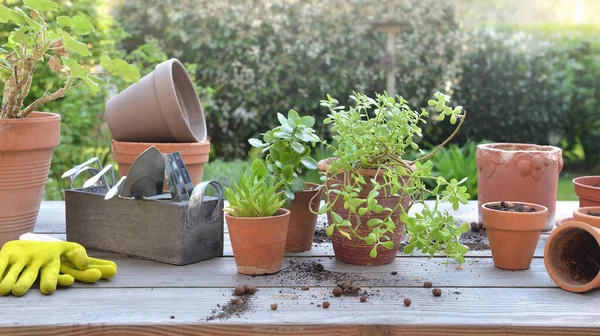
[147,297]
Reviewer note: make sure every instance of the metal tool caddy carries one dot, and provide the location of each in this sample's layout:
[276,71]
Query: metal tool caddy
[180,227]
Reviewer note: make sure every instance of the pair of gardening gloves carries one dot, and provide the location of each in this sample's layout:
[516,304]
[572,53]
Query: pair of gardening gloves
[56,262]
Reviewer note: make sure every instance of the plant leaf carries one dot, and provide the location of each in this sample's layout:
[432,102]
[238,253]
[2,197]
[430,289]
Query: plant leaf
[297,147]
[118,67]
[7,14]
[74,46]
[65,21]
[82,25]
[256,143]
[309,162]
[41,5]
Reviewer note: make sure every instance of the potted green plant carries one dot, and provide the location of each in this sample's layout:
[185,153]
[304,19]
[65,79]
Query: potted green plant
[256,221]
[289,146]
[370,188]
[28,137]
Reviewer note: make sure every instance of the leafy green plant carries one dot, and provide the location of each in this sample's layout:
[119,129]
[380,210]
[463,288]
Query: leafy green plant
[456,162]
[289,147]
[375,134]
[256,195]
[34,41]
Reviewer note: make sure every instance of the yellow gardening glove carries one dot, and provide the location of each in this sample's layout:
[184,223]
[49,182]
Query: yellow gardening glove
[96,270]
[21,261]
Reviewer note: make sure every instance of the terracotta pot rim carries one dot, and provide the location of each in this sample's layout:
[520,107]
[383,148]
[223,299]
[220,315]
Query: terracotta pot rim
[201,144]
[578,182]
[514,215]
[579,212]
[573,225]
[281,212]
[519,147]
[34,117]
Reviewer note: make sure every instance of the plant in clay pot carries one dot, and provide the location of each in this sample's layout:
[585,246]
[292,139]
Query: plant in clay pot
[513,230]
[256,221]
[369,188]
[588,215]
[587,189]
[28,137]
[572,256]
[289,146]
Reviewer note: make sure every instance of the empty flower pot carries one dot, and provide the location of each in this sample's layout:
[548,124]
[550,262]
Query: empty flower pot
[519,172]
[162,107]
[572,257]
[194,155]
[513,236]
[258,243]
[301,229]
[588,215]
[587,189]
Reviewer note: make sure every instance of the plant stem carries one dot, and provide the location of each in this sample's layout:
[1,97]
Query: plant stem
[462,119]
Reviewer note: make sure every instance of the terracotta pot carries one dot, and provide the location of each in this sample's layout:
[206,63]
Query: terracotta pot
[194,154]
[301,229]
[355,251]
[162,107]
[258,243]
[572,257]
[581,215]
[513,236]
[25,155]
[519,172]
[586,190]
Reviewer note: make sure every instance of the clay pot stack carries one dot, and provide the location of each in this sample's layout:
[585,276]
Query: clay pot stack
[162,110]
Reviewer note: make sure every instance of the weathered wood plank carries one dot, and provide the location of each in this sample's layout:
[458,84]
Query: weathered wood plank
[52,214]
[297,272]
[502,309]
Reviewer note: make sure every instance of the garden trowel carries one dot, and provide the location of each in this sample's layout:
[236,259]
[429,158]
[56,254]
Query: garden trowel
[146,175]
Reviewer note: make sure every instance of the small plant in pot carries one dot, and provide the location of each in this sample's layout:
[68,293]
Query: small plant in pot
[289,146]
[369,187]
[256,221]
[28,137]
[513,229]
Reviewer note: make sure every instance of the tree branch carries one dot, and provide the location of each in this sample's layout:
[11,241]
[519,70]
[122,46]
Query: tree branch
[41,101]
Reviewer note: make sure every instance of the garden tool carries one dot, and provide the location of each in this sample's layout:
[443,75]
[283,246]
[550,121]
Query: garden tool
[178,185]
[94,179]
[146,175]
[75,169]
[197,198]
[116,189]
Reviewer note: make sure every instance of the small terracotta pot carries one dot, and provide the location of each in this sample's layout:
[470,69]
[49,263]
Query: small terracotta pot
[194,155]
[258,243]
[519,172]
[301,229]
[355,251]
[581,215]
[162,107]
[586,190]
[513,236]
[572,257]
[25,155]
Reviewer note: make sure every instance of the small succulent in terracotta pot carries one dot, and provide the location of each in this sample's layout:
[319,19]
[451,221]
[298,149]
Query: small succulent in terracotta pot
[288,147]
[256,221]
[513,229]
[572,257]
[587,189]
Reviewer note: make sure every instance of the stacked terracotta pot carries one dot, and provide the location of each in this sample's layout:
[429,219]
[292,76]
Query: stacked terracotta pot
[162,110]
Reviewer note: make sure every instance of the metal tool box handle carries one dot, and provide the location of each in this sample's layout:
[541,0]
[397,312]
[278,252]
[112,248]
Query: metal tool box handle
[197,199]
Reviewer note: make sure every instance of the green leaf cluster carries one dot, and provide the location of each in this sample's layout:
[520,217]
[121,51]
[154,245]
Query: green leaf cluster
[288,147]
[375,133]
[256,195]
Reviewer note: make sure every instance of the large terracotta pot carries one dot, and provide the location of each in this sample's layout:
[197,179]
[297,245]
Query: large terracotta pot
[587,189]
[582,215]
[25,155]
[258,243]
[301,229]
[572,257]
[355,251]
[519,172]
[514,236]
[194,155]
[162,107]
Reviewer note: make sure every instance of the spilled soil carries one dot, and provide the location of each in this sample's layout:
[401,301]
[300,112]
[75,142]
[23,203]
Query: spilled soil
[229,310]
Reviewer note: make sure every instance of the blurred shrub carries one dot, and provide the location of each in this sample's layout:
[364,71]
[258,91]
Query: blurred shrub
[456,162]
[225,172]
[264,57]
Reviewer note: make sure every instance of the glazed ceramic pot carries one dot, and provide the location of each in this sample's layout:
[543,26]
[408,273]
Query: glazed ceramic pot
[355,251]
[519,172]
[587,189]
[26,147]
[572,257]
[301,229]
[258,243]
[583,215]
[162,107]
[513,236]
[194,155]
